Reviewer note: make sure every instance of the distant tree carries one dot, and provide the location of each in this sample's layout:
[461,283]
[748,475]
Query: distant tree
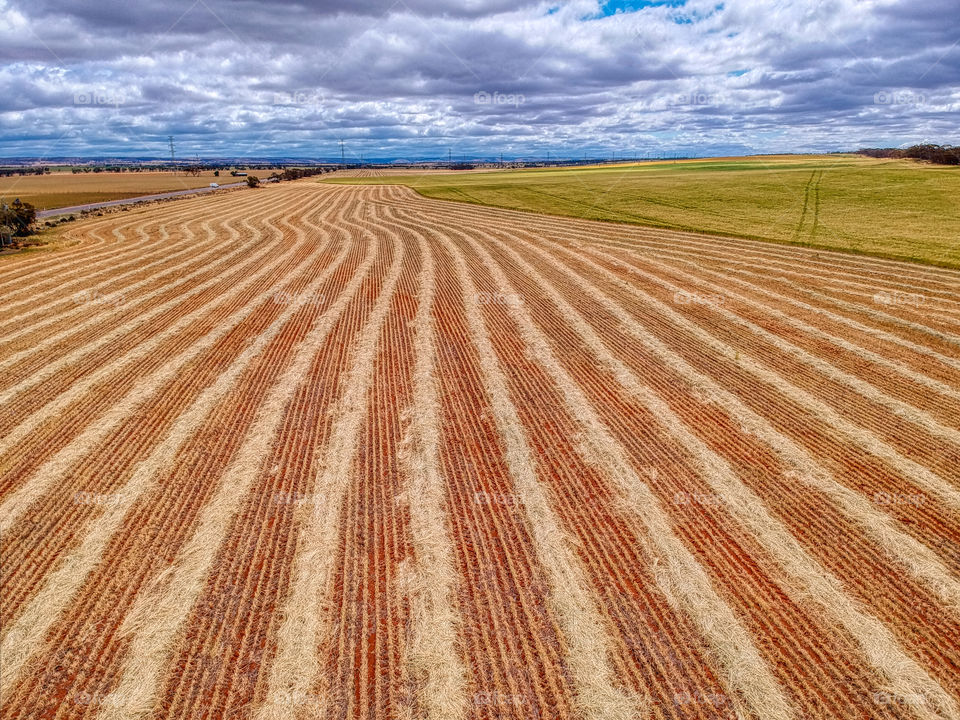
[252,181]
[216,173]
[18,215]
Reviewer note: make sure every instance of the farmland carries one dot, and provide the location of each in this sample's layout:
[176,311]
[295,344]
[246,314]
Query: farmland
[331,451]
[890,208]
[65,189]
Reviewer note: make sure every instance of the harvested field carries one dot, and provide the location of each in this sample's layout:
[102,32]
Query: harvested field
[65,189]
[333,451]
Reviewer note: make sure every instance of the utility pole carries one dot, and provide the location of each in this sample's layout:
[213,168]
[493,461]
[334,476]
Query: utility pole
[449,156]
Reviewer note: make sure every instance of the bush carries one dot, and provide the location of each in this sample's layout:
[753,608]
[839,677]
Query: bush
[19,215]
[252,181]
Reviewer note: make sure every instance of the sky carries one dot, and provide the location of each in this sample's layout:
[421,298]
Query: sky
[428,79]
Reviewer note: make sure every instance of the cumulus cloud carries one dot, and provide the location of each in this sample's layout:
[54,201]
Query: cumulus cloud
[413,78]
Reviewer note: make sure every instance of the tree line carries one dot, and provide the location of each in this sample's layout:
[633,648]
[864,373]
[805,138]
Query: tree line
[938,154]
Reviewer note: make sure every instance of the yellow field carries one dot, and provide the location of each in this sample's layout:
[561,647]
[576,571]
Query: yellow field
[63,189]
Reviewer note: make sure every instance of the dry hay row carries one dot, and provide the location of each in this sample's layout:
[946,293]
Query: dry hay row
[919,682]
[915,335]
[936,578]
[106,282]
[513,633]
[32,357]
[275,547]
[261,551]
[308,610]
[628,237]
[103,298]
[68,516]
[696,297]
[896,370]
[141,343]
[653,649]
[85,243]
[752,309]
[436,665]
[862,468]
[154,622]
[889,425]
[256,359]
[370,611]
[810,575]
[501,644]
[732,249]
[124,250]
[92,249]
[134,394]
[114,388]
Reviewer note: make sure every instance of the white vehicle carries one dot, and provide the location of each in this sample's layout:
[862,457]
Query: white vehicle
[214,185]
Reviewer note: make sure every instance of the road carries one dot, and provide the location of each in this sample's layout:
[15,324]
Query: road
[129,201]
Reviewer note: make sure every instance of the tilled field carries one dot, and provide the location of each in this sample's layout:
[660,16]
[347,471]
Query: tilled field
[324,451]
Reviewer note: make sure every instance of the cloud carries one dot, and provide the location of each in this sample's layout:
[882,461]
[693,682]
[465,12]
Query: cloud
[403,78]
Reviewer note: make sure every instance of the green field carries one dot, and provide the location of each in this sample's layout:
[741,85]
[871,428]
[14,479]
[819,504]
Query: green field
[891,208]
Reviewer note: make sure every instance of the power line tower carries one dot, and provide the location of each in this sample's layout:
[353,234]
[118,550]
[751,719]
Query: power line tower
[341,152]
[173,154]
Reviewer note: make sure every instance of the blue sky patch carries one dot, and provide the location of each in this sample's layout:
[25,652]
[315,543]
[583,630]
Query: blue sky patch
[612,7]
